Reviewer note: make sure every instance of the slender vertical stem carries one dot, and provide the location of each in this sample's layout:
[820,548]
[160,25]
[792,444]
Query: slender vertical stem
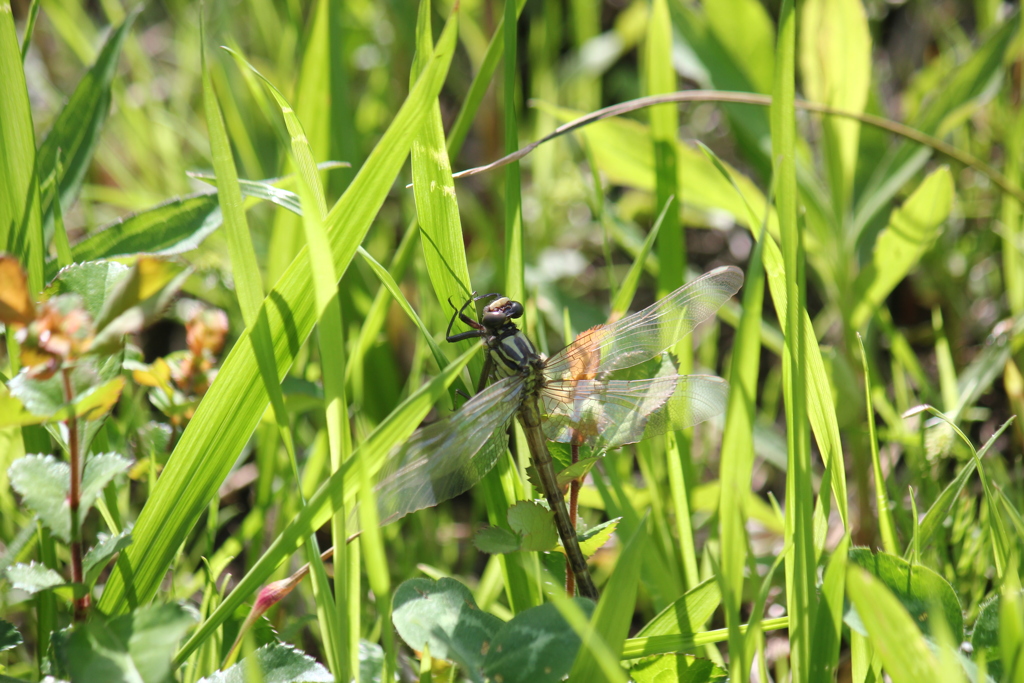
[529,415]
[75,497]
[574,499]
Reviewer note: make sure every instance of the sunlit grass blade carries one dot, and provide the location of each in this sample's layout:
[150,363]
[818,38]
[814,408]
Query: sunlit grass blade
[236,400]
[20,218]
[885,523]
[609,626]
[76,132]
[801,563]
[339,489]
[899,642]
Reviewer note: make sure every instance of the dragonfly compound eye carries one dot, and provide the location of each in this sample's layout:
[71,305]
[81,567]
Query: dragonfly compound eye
[515,309]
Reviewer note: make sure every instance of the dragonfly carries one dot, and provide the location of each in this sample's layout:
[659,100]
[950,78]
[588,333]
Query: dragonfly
[571,397]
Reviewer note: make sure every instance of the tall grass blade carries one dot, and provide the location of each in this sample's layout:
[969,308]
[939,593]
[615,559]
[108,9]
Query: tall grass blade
[236,399]
[20,218]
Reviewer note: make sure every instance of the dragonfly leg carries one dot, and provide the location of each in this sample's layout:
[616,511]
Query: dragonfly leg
[460,313]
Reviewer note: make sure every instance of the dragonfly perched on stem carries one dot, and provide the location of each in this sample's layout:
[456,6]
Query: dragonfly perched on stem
[571,397]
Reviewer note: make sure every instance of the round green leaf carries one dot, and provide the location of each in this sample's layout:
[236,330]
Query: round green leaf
[537,646]
[918,588]
[443,615]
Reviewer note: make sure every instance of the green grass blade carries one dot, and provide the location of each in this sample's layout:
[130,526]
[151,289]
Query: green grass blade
[477,89]
[896,638]
[627,290]
[913,229]
[20,224]
[610,624]
[339,489]
[801,563]
[885,523]
[244,266]
[829,620]
[514,264]
[236,400]
[835,63]
[437,207]
[76,132]
[737,460]
[688,613]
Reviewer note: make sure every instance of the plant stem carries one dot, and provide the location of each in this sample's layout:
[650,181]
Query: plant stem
[74,498]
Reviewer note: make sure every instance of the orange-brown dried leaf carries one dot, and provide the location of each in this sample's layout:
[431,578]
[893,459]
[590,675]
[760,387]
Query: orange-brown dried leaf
[206,330]
[16,306]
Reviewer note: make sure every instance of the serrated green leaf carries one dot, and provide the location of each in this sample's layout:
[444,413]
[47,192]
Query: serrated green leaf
[277,663]
[495,540]
[93,281]
[174,227]
[916,587]
[100,470]
[594,539]
[128,649]
[44,483]
[576,470]
[100,554]
[139,298]
[9,636]
[33,577]
[536,646]
[535,525]
[676,668]
[444,616]
[76,132]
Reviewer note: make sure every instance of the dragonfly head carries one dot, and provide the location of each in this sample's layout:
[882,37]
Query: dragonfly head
[500,311]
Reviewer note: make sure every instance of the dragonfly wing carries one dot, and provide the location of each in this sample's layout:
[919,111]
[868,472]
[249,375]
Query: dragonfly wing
[607,414]
[449,456]
[643,335]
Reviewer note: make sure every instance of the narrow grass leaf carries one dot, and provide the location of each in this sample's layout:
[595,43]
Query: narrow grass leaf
[244,267]
[891,630]
[610,625]
[829,620]
[835,65]
[912,230]
[437,207]
[339,489]
[237,398]
[885,522]
[20,223]
[627,290]
[964,90]
[76,132]
[481,82]
[801,563]
[688,613]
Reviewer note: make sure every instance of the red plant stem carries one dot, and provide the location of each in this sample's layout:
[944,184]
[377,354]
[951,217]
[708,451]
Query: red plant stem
[74,498]
[574,497]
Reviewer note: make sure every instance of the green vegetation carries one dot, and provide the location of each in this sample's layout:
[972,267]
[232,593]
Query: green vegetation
[191,408]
